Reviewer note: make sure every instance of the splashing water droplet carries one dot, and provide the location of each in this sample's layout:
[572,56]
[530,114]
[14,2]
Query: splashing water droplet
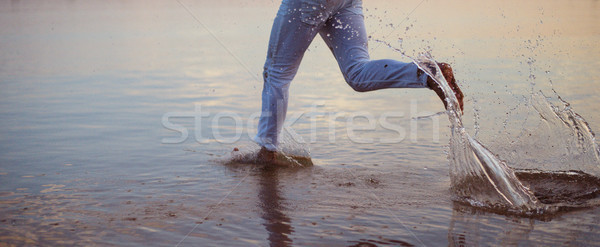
[480,178]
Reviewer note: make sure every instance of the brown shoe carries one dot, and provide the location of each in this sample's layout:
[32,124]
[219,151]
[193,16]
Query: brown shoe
[449,76]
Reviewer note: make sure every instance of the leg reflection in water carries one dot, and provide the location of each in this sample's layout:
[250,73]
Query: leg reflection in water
[276,222]
[470,226]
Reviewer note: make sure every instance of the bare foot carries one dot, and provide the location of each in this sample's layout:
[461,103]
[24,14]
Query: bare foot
[266,156]
[449,76]
[273,158]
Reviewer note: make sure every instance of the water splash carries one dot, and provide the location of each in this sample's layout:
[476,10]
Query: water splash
[474,170]
[292,152]
[480,178]
[559,139]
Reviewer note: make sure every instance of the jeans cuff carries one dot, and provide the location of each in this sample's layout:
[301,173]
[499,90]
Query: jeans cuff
[263,142]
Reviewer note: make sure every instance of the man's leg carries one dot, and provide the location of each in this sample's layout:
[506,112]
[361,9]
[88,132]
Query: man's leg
[346,36]
[292,32]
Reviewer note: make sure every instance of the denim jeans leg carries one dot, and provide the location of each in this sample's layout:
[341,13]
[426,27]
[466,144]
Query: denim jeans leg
[293,30]
[341,24]
[345,35]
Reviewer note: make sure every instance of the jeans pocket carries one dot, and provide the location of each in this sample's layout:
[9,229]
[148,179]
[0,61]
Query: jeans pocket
[313,12]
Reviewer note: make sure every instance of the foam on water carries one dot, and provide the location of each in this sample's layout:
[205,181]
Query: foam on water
[480,178]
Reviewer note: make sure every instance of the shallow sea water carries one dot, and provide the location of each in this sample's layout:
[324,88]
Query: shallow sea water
[84,158]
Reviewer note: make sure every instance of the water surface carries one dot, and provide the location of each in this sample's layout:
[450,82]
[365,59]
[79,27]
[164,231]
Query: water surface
[84,87]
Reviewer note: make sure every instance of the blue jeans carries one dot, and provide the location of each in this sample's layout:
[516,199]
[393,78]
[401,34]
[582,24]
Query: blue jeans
[341,25]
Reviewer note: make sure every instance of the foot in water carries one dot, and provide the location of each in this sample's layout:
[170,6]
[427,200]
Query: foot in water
[274,158]
[266,156]
[449,76]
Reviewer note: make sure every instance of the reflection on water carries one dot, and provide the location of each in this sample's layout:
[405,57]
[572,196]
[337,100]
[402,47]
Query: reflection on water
[84,84]
[272,203]
[469,227]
